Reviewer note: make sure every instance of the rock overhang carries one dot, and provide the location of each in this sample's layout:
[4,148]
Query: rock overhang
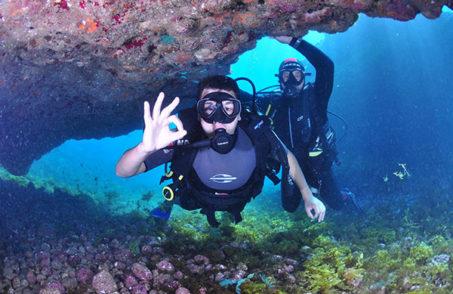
[81,69]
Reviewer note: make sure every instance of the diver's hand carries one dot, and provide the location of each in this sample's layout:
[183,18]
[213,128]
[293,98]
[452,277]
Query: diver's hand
[314,204]
[283,39]
[157,133]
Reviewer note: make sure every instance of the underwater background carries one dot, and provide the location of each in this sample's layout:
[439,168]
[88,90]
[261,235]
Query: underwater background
[392,109]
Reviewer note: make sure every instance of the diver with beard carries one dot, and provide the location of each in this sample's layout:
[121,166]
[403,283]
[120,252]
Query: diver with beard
[219,154]
[299,117]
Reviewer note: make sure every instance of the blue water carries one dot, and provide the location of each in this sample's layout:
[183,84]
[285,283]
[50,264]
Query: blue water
[392,86]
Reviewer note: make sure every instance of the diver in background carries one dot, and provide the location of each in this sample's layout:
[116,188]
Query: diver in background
[221,157]
[299,117]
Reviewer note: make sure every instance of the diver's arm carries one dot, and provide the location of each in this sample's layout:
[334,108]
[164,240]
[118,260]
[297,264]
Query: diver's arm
[132,162]
[324,69]
[156,136]
[310,201]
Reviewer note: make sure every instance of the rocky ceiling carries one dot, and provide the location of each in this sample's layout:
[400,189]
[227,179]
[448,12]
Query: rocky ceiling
[82,68]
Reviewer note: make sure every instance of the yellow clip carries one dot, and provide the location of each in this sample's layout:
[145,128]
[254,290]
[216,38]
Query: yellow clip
[180,177]
[170,192]
[314,153]
[267,110]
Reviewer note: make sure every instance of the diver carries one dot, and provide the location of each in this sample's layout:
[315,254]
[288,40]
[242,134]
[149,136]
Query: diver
[299,116]
[219,154]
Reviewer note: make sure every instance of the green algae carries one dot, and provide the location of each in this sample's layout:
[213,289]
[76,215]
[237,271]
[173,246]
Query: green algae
[421,253]
[341,258]
[331,267]
[251,287]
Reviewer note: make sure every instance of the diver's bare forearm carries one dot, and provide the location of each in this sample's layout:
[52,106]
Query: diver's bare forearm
[132,162]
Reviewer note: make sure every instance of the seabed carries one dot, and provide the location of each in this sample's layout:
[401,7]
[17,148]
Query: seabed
[56,242]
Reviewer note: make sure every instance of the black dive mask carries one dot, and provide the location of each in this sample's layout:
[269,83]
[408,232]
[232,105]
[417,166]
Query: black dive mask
[222,142]
[290,86]
[219,107]
[287,78]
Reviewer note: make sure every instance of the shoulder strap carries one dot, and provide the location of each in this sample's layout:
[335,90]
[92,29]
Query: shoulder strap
[267,144]
[321,128]
[190,122]
[183,157]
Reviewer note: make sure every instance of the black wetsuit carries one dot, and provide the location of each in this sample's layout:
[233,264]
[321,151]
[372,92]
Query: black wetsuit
[302,124]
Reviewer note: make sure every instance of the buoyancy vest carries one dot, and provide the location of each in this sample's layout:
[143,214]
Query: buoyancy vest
[191,193]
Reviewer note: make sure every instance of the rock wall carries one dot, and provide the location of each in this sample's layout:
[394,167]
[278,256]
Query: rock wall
[81,69]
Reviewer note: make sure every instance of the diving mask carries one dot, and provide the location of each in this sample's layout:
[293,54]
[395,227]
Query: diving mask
[291,75]
[290,83]
[219,107]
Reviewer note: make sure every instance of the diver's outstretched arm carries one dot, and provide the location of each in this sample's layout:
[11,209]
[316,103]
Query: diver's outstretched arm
[156,135]
[323,64]
[312,204]
[324,70]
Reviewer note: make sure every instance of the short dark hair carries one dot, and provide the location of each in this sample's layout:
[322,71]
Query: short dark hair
[218,82]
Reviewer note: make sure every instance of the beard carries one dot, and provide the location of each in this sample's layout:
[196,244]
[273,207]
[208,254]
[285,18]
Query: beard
[291,92]
[290,95]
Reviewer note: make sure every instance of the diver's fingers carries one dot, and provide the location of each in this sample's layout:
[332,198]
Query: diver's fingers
[180,132]
[309,213]
[158,105]
[174,119]
[321,216]
[316,215]
[167,110]
[283,39]
[146,113]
